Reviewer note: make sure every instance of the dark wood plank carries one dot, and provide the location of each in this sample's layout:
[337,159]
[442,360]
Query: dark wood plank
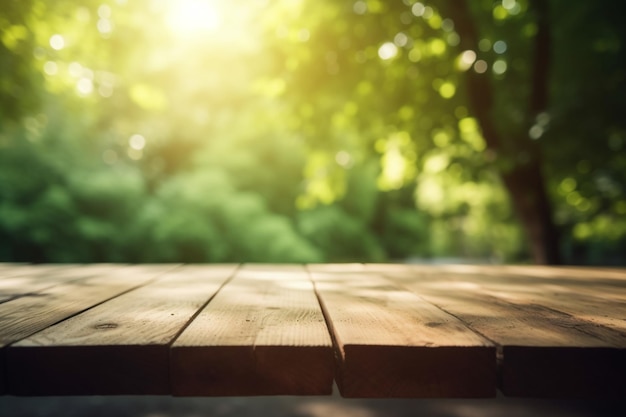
[545,352]
[391,343]
[262,334]
[24,316]
[118,347]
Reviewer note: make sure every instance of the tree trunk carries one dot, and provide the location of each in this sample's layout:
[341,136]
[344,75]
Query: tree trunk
[523,177]
[525,184]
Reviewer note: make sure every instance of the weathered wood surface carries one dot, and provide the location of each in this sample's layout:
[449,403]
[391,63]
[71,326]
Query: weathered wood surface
[29,314]
[395,330]
[391,343]
[120,347]
[557,337]
[264,333]
[22,281]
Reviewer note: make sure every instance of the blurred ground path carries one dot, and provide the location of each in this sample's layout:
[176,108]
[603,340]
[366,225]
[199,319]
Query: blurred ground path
[150,406]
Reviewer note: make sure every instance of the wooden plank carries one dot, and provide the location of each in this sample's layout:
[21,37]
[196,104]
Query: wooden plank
[607,281]
[27,280]
[599,299]
[337,268]
[7,266]
[262,334]
[391,343]
[118,347]
[10,271]
[596,303]
[24,316]
[544,352]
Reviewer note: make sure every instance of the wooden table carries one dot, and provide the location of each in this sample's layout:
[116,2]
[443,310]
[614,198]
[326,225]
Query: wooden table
[378,330]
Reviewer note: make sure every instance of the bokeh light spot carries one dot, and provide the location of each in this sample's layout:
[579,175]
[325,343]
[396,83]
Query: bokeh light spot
[481,66]
[568,185]
[500,13]
[535,132]
[499,67]
[418,9]
[447,90]
[499,47]
[415,55]
[508,4]
[51,68]
[453,39]
[466,60]
[512,6]
[104,26]
[360,7]
[57,42]
[447,25]
[343,159]
[437,46]
[387,51]
[401,39]
[84,86]
[574,198]
[484,45]
[137,142]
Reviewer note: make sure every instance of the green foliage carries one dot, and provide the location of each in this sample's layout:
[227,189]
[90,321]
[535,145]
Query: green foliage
[340,235]
[300,131]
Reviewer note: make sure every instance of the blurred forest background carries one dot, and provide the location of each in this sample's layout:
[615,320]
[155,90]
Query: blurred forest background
[312,130]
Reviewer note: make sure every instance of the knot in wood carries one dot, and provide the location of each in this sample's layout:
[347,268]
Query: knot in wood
[105,326]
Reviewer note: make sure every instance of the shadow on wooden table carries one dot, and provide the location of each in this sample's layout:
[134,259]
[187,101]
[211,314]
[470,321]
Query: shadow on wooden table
[150,406]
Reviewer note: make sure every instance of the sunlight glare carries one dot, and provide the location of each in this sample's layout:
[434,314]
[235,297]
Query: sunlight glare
[188,17]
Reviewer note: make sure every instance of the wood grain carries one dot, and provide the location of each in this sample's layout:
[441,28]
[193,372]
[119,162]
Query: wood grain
[546,352]
[391,343]
[11,270]
[28,280]
[24,316]
[118,347]
[399,330]
[262,334]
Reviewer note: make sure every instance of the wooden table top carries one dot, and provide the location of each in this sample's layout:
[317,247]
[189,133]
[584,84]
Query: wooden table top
[377,330]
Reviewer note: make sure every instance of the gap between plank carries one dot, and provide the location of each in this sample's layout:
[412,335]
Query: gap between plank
[202,307]
[338,354]
[499,348]
[191,319]
[156,277]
